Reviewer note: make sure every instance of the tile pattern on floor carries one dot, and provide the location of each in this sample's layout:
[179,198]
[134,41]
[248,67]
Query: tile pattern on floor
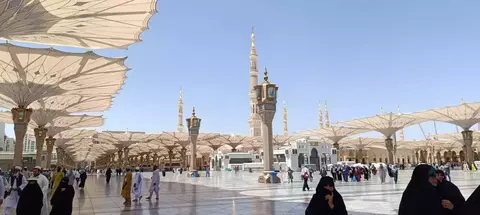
[240,194]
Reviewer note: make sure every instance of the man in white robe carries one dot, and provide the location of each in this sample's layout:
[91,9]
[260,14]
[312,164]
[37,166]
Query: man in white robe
[137,185]
[155,183]
[15,186]
[43,182]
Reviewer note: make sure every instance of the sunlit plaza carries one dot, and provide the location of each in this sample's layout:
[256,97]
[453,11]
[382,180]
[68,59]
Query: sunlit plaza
[227,193]
[71,99]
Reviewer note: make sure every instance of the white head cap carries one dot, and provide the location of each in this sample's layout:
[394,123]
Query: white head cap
[18,168]
[38,167]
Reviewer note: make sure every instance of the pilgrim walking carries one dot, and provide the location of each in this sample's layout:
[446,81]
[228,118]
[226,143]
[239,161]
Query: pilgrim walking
[62,199]
[137,185]
[155,183]
[108,175]
[31,200]
[13,189]
[127,188]
[43,183]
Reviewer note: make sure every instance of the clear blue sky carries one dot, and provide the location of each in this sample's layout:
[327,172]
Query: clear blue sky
[357,55]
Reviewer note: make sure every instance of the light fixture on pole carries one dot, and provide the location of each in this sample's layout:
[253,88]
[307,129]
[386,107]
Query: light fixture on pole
[266,103]
[193,124]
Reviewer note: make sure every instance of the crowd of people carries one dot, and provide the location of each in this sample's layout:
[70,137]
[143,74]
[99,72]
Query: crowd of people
[33,193]
[428,192]
[134,184]
[348,173]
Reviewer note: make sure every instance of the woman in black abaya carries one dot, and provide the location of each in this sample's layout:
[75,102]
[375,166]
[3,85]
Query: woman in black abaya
[421,196]
[472,206]
[31,199]
[62,199]
[83,177]
[326,200]
[452,199]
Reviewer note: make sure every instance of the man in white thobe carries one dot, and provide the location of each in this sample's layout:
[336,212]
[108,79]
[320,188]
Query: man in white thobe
[155,183]
[14,187]
[137,185]
[43,182]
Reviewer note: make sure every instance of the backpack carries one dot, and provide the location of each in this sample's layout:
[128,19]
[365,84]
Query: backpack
[305,175]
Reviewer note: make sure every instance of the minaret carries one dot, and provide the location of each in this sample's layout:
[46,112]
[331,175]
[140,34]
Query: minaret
[402,135]
[381,111]
[285,125]
[180,112]
[254,120]
[327,118]
[320,116]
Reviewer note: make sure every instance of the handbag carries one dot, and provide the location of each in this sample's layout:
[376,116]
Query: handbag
[6,193]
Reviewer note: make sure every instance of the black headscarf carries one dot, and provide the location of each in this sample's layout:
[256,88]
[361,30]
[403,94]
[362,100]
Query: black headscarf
[62,199]
[472,206]
[420,197]
[450,191]
[31,199]
[319,205]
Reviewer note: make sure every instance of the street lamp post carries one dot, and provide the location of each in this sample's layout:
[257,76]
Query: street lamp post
[266,106]
[193,124]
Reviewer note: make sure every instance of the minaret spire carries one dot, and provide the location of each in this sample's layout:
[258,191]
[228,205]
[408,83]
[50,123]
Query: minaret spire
[320,116]
[253,50]
[381,110]
[285,125]
[254,120]
[402,135]
[327,118]
[180,112]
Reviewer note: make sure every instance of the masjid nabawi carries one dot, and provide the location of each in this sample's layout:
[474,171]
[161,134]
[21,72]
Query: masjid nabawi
[301,151]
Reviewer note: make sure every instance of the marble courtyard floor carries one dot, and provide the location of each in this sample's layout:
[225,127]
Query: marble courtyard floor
[226,193]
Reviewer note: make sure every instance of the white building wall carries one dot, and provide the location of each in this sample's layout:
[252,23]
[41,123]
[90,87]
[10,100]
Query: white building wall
[9,144]
[29,144]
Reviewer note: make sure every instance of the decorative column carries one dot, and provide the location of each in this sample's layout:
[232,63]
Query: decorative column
[155,159]
[40,135]
[60,156]
[170,158]
[183,155]
[193,124]
[112,160]
[125,155]
[468,140]
[360,155]
[21,118]
[389,146]
[147,158]
[266,98]
[135,161]
[119,158]
[337,147]
[50,143]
